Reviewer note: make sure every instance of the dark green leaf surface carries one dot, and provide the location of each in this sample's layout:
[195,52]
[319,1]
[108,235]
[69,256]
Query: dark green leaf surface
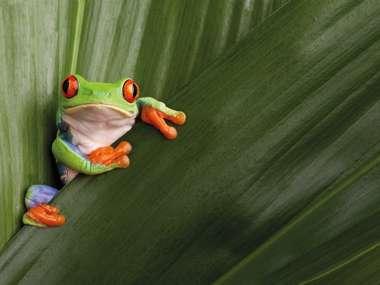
[336,238]
[362,268]
[274,175]
[34,46]
[163,44]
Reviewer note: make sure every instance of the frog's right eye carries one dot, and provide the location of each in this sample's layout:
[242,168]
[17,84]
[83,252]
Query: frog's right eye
[131,91]
[70,86]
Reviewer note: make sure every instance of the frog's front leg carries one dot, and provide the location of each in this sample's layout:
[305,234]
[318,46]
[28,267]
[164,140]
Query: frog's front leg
[155,113]
[109,155]
[97,162]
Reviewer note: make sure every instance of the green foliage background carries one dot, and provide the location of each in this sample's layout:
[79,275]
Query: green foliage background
[162,44]
[274,179]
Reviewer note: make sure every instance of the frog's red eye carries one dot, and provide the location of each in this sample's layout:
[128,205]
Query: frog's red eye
[70,86]
[131,91]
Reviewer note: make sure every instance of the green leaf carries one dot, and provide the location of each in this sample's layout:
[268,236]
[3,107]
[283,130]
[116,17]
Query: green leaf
[34,44]
[163,44]
[274,179]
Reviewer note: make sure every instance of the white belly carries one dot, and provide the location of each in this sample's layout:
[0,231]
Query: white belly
[96,127]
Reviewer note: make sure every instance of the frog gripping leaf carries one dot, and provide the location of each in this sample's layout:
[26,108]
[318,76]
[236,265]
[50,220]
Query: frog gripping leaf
[108,155]
[91,116]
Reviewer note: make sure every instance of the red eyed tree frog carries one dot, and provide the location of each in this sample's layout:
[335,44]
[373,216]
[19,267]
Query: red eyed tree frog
[90,117]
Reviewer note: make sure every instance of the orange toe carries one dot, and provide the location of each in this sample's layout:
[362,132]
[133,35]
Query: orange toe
[50,209]
[122,161]
[181,118]
[102,155]
[124,147]
[47,215]
[156,118]
[170,133]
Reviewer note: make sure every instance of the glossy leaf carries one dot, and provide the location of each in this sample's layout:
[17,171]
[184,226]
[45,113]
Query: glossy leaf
[41,41]
[34,45]
[163,44]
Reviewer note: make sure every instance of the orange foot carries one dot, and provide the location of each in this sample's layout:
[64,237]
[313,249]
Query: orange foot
[46,215]
[157,119]
[109,155]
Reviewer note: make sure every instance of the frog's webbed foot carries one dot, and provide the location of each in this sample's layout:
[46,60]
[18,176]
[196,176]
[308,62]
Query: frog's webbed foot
[109,155]
[44,215]
[157,118]
[39,213]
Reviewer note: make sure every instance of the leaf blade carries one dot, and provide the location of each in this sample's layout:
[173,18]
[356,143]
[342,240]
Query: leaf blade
[55,39]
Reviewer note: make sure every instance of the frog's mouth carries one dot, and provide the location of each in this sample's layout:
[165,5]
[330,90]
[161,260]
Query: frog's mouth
[104,109]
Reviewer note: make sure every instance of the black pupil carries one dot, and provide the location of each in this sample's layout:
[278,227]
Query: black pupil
[65,85]
[134,90]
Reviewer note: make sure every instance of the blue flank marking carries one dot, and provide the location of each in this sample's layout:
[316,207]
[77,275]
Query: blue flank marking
[39,194]
[66,137]
[63,170]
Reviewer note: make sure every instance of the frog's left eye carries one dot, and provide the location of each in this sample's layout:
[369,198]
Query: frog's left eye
[70,86]
[131,91]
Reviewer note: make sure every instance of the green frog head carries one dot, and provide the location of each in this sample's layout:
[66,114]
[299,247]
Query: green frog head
[80,94]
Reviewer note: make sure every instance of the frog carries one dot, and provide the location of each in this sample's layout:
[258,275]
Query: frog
[90,118]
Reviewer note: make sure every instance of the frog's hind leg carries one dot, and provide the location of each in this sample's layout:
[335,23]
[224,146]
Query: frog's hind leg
[37,197]
[39,213]
[66,174]
[39,194]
